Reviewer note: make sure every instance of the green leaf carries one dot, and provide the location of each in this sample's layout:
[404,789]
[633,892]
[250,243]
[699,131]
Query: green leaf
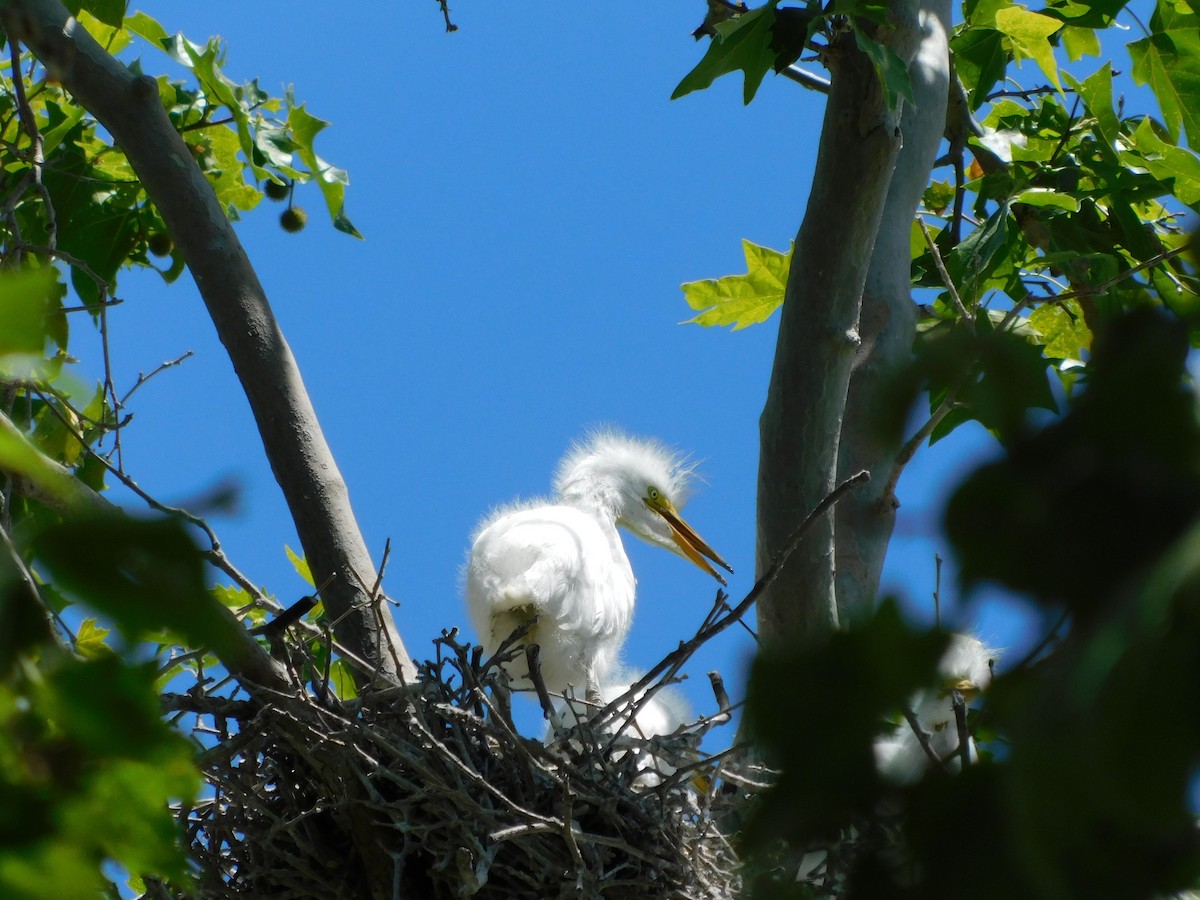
[1044,197]
[1174,165]
[1086,15]
[1080,42]
[89,640]
[1169,62]
[226,177]
[891,70]
[148,29]
[109,707]
[331,180]
[113,38]
[300,564]
[972,259]
[1075,510]
[147,575]
[866,672]
[110,12]
[28,304]
[1030,33]
[742,300]
[53,136]
[1096,92]
[741,43]
[20,457]
[1063,330]
[341,679]
[1012,379]
[1170,15]
[937,197]
[980,60]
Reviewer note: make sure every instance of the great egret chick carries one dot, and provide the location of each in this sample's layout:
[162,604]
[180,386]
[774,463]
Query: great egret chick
[966,667]
[660,715]
[560,564]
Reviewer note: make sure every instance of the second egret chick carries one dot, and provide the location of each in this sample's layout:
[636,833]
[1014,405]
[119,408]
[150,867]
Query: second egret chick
[634,723]
[559,566]
[965,667]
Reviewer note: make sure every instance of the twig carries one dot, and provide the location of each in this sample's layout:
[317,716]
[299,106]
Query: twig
[807,79]
[534,663]
[922,736]
[718,686]
[960,720]
[913,444]
[1050,637]
[941,267]
[161,367]
[674,660]
[30,586]
[450,26]
[937,591]
[38,162]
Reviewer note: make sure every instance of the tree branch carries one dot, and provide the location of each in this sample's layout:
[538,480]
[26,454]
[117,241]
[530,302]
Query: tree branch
[818,340]
[887,325]
[128,106]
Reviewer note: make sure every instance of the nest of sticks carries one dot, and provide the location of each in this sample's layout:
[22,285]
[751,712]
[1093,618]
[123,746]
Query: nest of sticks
[427,790]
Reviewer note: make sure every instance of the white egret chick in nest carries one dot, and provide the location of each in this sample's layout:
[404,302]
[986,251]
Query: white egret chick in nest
[559,566]
[965,667]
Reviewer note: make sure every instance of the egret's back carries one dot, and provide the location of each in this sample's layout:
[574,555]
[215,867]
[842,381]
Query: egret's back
[558,564]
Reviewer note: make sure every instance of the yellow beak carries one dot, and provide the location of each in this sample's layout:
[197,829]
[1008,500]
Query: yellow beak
[693,546]
[964,686]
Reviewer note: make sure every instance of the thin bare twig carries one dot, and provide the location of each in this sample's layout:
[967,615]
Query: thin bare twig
[161,367]
[922,737]
[960,720]
[941,267]
[807,79]
[673,661]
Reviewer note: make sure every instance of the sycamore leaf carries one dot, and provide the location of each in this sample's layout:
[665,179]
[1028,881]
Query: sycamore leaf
[1168,163]
[331,180]
[741,300]
[1047,197]
[89,640]
[110,12]
[1096,91]
[980,60]
[341,679]
[147,575]
[300,564]
[891,70]
[1169,62]
[1064,333]
[1080,42]
[148,29]
[741,43]
[1029,33]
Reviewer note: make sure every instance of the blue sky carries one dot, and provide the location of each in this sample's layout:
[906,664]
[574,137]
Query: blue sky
[531,201]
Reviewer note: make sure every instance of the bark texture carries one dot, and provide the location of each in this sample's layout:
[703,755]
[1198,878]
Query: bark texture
[128,106]
[815,424]
[864,520]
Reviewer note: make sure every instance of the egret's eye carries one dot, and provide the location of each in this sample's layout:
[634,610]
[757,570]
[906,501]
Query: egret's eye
[652,494]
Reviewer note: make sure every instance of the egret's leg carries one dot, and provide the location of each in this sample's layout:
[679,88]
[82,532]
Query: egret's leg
[592,692]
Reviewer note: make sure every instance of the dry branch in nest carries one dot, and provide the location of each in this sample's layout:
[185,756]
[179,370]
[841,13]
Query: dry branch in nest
[428,791]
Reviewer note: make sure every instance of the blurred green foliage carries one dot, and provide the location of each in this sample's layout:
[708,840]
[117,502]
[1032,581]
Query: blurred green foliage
[91,775]
[1064,244]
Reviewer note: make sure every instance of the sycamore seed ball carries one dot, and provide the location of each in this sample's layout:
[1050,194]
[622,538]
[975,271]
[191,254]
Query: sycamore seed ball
[293,219]
[160,243]
[275,190]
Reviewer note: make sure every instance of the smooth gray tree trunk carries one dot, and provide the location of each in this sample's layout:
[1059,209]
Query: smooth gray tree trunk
[845,326]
